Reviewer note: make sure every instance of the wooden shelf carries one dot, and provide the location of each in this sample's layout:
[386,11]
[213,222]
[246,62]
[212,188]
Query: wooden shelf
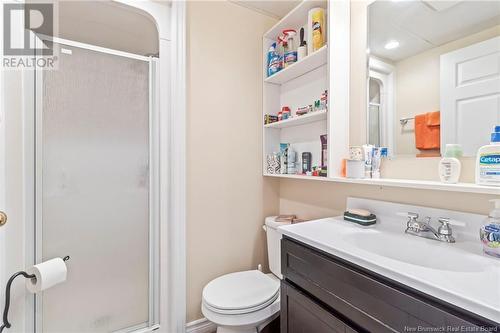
[405,183]
[299,120]
[304,66]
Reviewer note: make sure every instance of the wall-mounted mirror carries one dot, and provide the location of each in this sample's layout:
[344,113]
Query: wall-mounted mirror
[434,75]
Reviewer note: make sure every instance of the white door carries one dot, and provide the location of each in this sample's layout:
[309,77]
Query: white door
[470,95]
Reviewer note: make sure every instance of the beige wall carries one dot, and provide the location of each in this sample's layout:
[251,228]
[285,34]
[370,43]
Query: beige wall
[227,196]
[312,199]
[417,86]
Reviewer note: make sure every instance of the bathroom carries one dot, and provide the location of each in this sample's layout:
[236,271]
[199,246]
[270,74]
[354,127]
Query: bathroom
[170,212]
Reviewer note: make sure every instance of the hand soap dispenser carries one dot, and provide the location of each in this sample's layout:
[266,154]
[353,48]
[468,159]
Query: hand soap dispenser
[450,166]
[490,231]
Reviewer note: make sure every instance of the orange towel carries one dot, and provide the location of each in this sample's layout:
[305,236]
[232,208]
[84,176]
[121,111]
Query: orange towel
[428,131]
[433,118]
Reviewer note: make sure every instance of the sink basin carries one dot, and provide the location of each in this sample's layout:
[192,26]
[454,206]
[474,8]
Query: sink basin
[417,251]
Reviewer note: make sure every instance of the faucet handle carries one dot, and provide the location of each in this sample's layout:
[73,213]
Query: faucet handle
[412,223]
[445,231]
[446,221]
[409,215]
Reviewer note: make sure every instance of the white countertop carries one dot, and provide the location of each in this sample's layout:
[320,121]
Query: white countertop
[457,273]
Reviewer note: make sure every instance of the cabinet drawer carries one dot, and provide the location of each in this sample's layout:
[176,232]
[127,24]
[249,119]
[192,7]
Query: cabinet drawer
[300,314]
[361,297]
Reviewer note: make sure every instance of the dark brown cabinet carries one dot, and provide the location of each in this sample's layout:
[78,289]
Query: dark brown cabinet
[323,293]
[300,314]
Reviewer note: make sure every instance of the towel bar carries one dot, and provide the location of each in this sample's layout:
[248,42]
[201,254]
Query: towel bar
[404,121]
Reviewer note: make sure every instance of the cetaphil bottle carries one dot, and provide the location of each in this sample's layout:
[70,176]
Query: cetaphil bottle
[488,161]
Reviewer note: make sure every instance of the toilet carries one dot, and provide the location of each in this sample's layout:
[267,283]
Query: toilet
[245,302]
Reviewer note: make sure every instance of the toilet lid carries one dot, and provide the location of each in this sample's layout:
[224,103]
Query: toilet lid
[240,291]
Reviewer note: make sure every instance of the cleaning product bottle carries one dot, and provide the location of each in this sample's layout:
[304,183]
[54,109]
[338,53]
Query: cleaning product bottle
[281,50]
[290,50]
[273,60]
[450,166]
[488,161]
[490,231]
[317,28]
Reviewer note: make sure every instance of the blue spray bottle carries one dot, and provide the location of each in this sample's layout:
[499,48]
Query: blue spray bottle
[273,60]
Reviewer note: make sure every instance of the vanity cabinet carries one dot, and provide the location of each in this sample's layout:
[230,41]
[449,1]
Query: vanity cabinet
[300,314]
[323,293]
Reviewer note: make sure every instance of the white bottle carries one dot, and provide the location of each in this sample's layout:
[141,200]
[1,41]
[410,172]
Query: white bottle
[488,161]
[450,166]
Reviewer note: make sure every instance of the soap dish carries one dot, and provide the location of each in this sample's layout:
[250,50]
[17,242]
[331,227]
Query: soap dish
[364,220]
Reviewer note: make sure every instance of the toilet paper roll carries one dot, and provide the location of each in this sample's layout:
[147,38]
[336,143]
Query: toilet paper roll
[48,274]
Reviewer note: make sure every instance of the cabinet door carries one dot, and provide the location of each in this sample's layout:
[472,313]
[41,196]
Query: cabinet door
[300,314]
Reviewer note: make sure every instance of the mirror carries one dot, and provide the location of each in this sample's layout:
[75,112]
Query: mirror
[433,76]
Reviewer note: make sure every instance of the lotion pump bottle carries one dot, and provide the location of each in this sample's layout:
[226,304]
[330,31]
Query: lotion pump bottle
[450,166]
[488,161]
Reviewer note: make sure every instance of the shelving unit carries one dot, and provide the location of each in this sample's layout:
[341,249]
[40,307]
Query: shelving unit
[306,65]
[299,120]
[295,86]
[405,183]
[295,18]
[301,83]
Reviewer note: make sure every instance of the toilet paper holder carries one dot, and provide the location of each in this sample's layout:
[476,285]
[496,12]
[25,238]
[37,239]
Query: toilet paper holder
[6,323]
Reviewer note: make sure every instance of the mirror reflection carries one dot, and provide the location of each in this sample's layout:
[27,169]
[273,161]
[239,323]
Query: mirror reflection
[434,75]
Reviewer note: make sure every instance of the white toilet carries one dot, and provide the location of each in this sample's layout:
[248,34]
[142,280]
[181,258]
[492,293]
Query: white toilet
[245,302]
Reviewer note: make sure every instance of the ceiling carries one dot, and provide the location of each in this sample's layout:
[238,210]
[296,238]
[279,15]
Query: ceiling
[275,8]
[422,25]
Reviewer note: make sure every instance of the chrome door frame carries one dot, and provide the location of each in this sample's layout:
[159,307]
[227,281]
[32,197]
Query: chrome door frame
[34,152]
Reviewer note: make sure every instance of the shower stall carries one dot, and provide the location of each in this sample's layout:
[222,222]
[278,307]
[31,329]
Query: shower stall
[96,188]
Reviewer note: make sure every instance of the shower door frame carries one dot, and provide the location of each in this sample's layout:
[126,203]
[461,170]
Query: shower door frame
[34,125]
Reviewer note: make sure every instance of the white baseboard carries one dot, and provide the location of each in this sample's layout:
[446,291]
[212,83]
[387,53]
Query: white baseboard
[201,326]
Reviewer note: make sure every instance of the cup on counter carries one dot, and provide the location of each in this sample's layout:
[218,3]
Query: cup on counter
[273,164]
[355,169]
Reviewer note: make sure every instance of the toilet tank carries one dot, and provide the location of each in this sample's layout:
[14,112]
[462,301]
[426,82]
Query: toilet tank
[274,244]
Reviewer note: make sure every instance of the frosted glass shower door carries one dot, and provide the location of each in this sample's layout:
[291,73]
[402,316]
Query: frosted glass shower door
[94,190]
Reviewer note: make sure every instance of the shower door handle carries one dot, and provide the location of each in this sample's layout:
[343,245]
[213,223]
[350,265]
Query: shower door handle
[3,218]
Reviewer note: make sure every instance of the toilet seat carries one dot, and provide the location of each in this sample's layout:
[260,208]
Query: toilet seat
[240,293]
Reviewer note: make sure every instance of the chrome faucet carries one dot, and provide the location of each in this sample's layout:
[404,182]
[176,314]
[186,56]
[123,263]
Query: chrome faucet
[424,229]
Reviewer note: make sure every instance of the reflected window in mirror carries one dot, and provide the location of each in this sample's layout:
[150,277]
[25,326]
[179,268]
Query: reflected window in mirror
[434,75]
[374,110]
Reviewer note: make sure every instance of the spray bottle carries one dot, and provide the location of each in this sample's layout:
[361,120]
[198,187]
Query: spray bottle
[273,60]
